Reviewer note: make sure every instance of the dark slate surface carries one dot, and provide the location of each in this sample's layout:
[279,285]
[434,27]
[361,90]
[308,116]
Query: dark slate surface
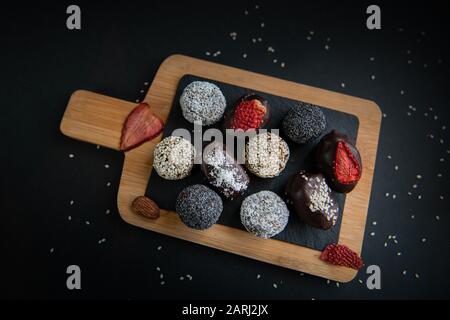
[165,192]
[120,48]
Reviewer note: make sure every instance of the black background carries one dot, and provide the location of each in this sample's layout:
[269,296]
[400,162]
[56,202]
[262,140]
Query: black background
[119,48]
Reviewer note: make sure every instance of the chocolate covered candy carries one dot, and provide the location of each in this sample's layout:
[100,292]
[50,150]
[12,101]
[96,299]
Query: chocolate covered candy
[311,199]
[250,112]
[223,172]
[339,160]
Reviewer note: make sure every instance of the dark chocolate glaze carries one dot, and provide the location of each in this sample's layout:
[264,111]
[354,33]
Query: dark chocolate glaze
[237,180]
[325,159]
[248,97]
[298,192]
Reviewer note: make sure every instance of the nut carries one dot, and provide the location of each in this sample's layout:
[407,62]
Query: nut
[145,207]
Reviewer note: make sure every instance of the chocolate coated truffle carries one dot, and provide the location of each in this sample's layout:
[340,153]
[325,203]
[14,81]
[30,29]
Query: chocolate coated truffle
[173,158]
[202,101]
[198,206]
[312,200]
[223,172]
[339,160]
[264,214]
[303,123]
[250,112]
[266,155]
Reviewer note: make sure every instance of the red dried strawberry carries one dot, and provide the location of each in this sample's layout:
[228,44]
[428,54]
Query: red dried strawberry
[341,255]
[141,125]
[346,169]
[249,114]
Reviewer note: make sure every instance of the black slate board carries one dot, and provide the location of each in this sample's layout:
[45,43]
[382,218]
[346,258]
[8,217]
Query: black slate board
[165,192]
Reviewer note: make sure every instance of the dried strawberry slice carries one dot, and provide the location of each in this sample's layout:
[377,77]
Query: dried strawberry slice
[341,255]
[141,125]
[346,169]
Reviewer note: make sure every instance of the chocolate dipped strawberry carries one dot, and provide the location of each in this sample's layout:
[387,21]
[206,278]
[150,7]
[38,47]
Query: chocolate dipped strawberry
[340,161]
[251,112]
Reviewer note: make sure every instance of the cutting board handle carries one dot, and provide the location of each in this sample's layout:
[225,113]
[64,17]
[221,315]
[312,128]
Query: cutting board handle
[95,118]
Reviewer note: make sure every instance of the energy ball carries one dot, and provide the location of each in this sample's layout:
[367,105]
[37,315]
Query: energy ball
[312,200]
[339,160]
[303,123]
[266,155]
[202,101]
[264,214]
[173,158]
[198,206]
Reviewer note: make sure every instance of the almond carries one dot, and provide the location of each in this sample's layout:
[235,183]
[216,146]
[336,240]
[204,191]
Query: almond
[145,207]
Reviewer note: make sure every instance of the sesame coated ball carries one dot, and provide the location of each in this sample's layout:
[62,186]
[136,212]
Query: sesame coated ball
[303,123]
[202,101]
[264,214]
[173,158]
[198,206]
[266,155]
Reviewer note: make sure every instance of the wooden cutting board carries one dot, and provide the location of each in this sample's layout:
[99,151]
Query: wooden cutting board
[98,119]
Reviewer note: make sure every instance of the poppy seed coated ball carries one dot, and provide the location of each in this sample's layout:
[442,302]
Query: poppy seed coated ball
[198,206]
[304,122]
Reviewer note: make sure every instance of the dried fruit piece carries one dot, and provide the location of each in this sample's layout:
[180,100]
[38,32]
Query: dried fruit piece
[251,112]
[145,207]
[346,167]
[341,255]
[140,126]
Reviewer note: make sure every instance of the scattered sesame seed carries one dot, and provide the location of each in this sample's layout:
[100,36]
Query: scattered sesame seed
[161,276]
[394,196]
[396,168]
[159,248]
[71,155]
[275,285]
[181,278]
[311,32]
[158,269]
[419,176]
[439,175]
[270,49]
[387,194]
[416,275]
[98,147]
[409,61]
[337,284]
[374,223]
[404,272]
[441,159]
[256,7]
[389,237]
[413,216]
[372,234]
[258,276]
[87,222]
[101,241]
[414,186]
[402,92]
[52,250]
[142,91]
[372,77]
[384,115]
[71,202]
[108,184]
[328,281]
[107,166]
[244,56]
[327,47]
[360,281]
[308,38]
[395,241]
[385,244]
[263,24]
[208,53]
[107,211]
[146,83]
[162,283]
[189,277]
[424,240]
[246,12]
[372,58]
[342,84]
[389,157]
[275,60]
[419,196]
[69,218]
[441,197]
[282,64]
[399,253]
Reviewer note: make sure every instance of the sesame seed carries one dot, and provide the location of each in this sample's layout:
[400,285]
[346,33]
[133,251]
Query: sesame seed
[263,24]
[162,283]
[394,196]
[98,147]
[372,77]
[416,275]
[244,56]
[372,58]
[108,184]
[337,284]
[387,194]
[342,84]
[159,248]
[275,285]
[372,234]
[69,218]
[71,155]
[404,272]
[87,222]
[258,276]
[181,278]
[396,168]
[275,60]
[161,276]
[414,186]
[437,217]
[385,244]
[107,211]
[327,47]
[402,92]
[424,240]
[246,12]
[374,223]
[308,38]
[328,281]
[282,65]
[389,157]
[52,250]
[441,197]
[412,216]
[419,176]
[107,166]
[360,281]
[207,53]
[399,253]
[158,269]
[71,202]
[146,83]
